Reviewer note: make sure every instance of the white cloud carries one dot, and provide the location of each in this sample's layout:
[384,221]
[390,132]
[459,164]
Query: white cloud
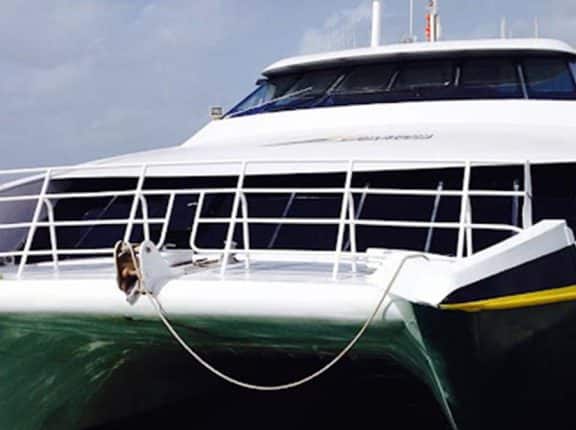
[92,78]
[556,19]
[81,79]
[344,29]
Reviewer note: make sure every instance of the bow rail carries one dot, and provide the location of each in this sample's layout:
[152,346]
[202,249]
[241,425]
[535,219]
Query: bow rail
[43,215]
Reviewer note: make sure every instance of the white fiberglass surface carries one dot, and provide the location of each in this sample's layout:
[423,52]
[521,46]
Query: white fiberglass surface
[259,271]
[392,50]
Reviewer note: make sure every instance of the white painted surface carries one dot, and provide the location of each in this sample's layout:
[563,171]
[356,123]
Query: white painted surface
[542,239]
[436,132]
[433,282]
[302,291]
[277,289]
[389,51]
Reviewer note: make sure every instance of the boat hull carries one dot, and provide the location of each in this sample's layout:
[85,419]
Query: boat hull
[84,372]
[505,368]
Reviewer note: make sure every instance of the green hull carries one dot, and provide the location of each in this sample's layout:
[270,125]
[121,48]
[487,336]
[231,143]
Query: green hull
[72,372]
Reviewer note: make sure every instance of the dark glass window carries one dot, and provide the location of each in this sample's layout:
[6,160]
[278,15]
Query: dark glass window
[499,76]
[368,79]
[489,78]
[288,92]
[550,202]
[424,74]
[269,90]
[316,82]
[549,77]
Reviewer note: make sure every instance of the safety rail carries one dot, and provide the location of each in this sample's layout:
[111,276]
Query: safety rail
[347,219]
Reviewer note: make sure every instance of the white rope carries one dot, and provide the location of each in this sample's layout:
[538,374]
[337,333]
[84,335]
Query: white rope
[158,306]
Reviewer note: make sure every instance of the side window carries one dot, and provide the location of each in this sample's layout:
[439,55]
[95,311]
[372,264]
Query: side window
[490,78]
[549,77]
[424,74]
[368,79]
[314,83]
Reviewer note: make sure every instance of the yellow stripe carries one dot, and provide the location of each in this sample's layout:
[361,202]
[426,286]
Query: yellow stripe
[538,298]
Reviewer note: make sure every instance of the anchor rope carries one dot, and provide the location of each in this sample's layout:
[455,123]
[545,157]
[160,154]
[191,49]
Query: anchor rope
[270,388]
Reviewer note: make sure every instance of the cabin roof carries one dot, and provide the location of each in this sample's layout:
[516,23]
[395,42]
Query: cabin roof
[362,54]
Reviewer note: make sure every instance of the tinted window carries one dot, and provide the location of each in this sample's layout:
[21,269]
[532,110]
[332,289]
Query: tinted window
[289,92]
[490,78]
[424,74]
[316,82]
[310,205]
[368,79]
[269,90]
[467,78]
[549,77]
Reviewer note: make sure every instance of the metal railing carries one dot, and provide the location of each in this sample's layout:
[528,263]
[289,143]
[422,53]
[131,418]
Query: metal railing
[347,218]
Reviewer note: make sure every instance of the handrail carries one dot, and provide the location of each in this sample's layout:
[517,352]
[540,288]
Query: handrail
[135,201]
[348,220]
[33,226]
[82,223]
[53,237]
[232,223]
[342,221]
[188,191]
[88,167]
[464,209]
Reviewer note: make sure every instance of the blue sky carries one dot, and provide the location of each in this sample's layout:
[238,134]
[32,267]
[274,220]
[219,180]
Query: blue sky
[86,79]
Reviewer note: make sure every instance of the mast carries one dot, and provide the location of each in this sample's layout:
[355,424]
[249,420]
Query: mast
[433,22]
[411,24]
[376,23]
[503,28]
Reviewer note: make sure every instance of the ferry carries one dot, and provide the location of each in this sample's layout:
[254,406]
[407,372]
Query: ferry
[405,209]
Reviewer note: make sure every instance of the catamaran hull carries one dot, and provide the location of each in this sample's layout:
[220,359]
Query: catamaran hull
[505,368]
[85,372]
[488,368]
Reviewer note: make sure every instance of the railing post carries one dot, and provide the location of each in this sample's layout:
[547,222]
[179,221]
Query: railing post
[342,223]
[245,231]
[34,224]
[134,209]
[353,243]
[167,219]
[527,217]
[145,217]
[197,218]
[464,210]
[233,218]
[469,230]
[53,237]
[434,216]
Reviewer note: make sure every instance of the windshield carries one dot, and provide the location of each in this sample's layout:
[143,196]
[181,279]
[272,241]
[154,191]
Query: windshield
[288,92]
[541,76]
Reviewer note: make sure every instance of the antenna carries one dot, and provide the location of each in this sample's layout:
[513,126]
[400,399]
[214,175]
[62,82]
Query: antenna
[536,28]
[376,23]
[503,28]
[411,26]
